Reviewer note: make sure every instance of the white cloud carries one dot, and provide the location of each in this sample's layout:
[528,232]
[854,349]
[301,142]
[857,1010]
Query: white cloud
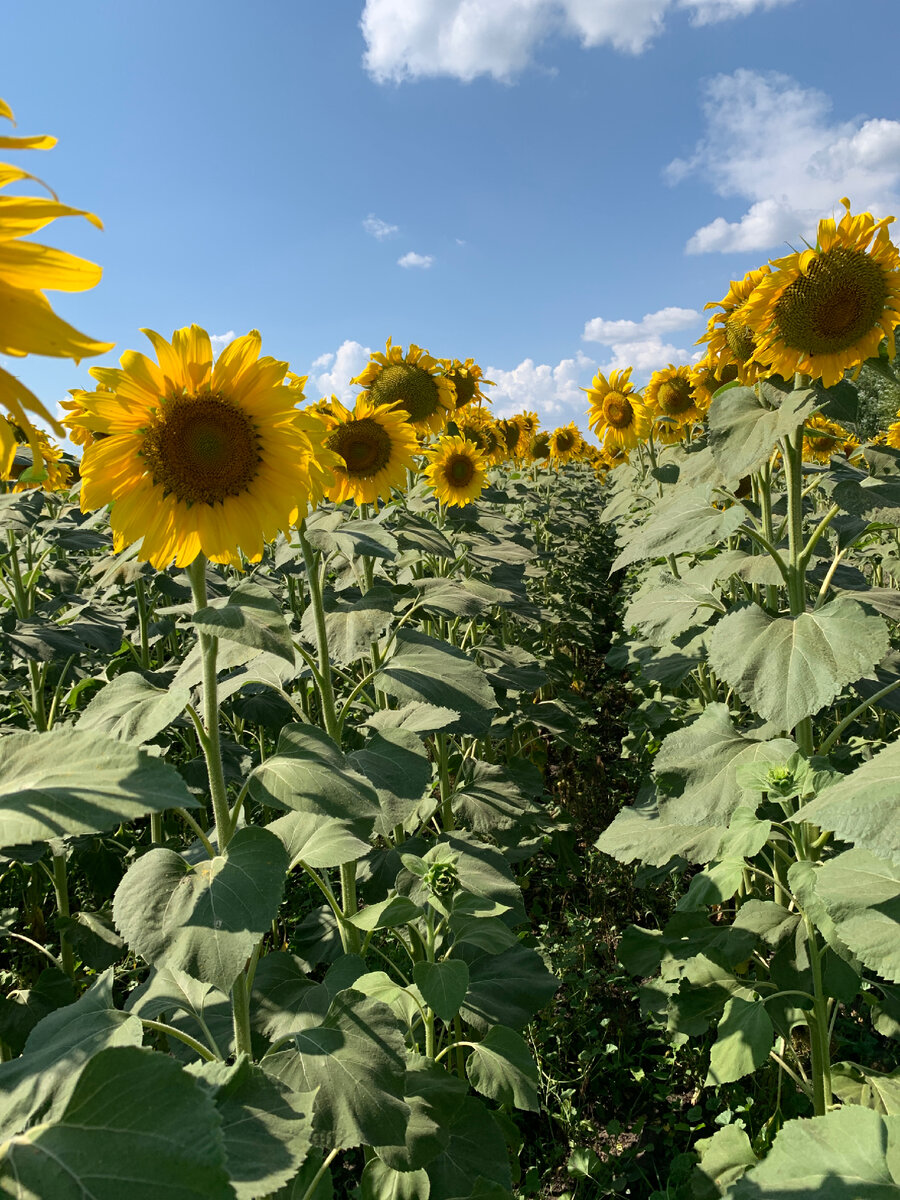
[331,373]
[552,392]
[774,143]
[646,356]
[379,229]
[221,340]
[413,39]
[650,326]
[411,259]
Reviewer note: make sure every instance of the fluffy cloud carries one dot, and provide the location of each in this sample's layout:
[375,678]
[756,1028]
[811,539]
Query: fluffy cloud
[411,259]
[774,143]
[331,373]
[552,392]
[650,326]
[412,39]
[221,340]
[379,229]
[646,356]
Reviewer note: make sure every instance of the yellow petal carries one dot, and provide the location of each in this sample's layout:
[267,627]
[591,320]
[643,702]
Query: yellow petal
[170,363]
[193,346]
[42,141]
[6,111]
[21,215]
[28,325]
[235,358]
[7,448]
[28,265]
[16,398]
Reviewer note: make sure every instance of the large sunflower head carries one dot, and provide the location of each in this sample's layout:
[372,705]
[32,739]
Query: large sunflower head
[414,382]
[539,448]
[375,446]
[706,379]
[28,324]
[565,442]
[27,471]
[196,456]
[456,470]
[467,379]
[670,393]
[617,414]
[825,310]
[823,438]
[730,340]
[529,422]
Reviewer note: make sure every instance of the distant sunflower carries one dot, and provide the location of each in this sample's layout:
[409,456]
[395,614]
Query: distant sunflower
[822,439]
[670,393]
[707,378]
[617,414]
[467,379]
[414,382]
[28,324]
[55,475]
[890,436]
[614,456]
[668,430]
[513,437]
[730,340]
[529,422]
[455,470]
[539,448]
[375,445]
[196,457]
[565,442]
[825,310]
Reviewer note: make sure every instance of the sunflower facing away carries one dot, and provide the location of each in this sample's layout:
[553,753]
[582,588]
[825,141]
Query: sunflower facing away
[823,438]
[513,438]
[670,393]
[707,378]
[539,448]
[28,325]
[196,457]
[375,445]
[565,443]
[455,470]
[467,378]
[730,340]
[414,382]
[617,414]
[825,310]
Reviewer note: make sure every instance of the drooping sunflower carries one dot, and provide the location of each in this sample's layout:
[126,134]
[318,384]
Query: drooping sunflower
[614,456]
[375,445]
[825,310]
[667,429]
[822,439]
[28,324]
[467,379]
[512,437]
[55,475]
[730,340]
[670,393]
[565,442]
[414,382]
[456,470]
[706,379]
[539,448]
[617,414]
[529,422]
[196,457]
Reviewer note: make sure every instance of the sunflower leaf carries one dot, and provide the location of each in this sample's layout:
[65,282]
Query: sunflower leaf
[686,522]
[250,616]
[744,428]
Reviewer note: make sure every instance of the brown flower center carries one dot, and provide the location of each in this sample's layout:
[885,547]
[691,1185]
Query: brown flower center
[838,301]
[739,338]
[408,386]
[364,445]
[459,470]
[618,411]
[675,396]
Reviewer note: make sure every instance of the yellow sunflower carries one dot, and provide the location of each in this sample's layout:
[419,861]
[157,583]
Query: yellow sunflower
[825,310]
[483,433]
[889,437]
[467,379]
[513,438]
[456,470]
[529,423]
[730,340]
[670,393]
[414,382]
[197,457]
[28,324]
[74,412]
[706,379]
[617,414]
[668,429]
[823,438]
[565,442]
[55,475]
[539,448]
[614,456]
[375,445]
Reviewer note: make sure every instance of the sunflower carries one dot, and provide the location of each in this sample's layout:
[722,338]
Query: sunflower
[889,437]
[539,448]
[667,429]
[196,458]
[375,445]
[28,325]
[826,309]
[730,340]
[456,470]
[614,456]
[529,423]
[565,442]
[467,378]
[513,438]
[414,382]
[56,475]
[670,393]
[823,438]
[706,379]
[74,412]
[617,414]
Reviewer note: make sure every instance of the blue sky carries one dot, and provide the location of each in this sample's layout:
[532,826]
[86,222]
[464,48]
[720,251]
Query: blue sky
[573,178]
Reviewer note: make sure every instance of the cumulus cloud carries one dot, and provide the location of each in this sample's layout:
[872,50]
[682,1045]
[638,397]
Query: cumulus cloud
[646,356]
[331,373]
[773,143]
[221,340]
[413,39]
[552,392]
[650,326]
[411,259]
[379,229]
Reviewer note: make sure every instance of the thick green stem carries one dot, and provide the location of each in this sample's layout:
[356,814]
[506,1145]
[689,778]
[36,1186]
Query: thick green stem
[240,1015]
[792,453]
[820,1049]
[143,614]
[61,888]
[443,760]
[324,681]
[212,751]
[349,905]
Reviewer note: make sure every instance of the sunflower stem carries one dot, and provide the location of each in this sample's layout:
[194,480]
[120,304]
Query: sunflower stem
[212,750]
[324,681]
[61,889]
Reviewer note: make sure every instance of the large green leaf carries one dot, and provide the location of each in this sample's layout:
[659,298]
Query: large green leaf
[434,1097]
[724,1158]
[356,1060]
[745,1037]
[131,709]
[849,1154]
[670,607]
[640,833]
[318,840]
[395,763]
[687,521]
[788,668]
[66,782]
[501,1067]
[421,668]
[475,1152]
[864,806]
[135,1125]
[505,989]
[352,626]
[250,616]
[204,918]
[879,1090]
[381,1182]
[490,797]
[697,768]
[861,894]
[443,985]
[744,426]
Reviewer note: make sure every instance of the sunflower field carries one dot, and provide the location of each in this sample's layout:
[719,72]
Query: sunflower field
[406,803]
